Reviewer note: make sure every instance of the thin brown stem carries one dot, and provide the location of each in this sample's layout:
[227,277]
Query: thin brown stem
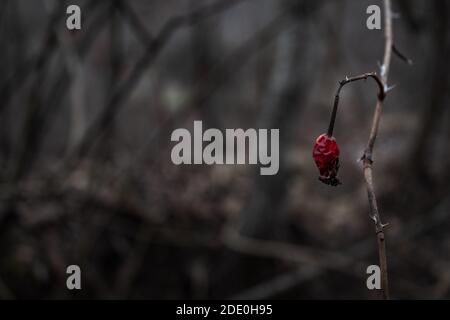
[389,40]
[367,157]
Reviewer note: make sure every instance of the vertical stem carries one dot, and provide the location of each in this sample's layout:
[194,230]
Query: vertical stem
[367,158]
[383,265]
[389,39]
[375,216]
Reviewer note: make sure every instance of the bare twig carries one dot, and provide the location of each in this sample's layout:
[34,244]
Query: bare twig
[42,117]
[234,240]
[132,18]
[367,157]
[38,61]
[342,83]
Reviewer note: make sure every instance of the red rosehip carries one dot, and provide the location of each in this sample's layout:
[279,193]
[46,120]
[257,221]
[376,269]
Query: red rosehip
[326,157]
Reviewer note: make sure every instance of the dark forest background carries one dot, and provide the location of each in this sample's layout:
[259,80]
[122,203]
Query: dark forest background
[85,170]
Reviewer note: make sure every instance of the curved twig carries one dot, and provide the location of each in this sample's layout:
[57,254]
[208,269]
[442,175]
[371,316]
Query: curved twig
[342,83]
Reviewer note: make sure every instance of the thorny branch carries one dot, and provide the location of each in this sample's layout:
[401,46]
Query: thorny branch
[367,157]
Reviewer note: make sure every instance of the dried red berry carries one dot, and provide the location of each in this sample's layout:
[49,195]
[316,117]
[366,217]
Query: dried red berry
[326,156]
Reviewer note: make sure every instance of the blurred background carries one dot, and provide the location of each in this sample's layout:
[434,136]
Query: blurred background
[86,176]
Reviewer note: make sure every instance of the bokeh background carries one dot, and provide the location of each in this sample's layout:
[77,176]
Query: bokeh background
[85,170]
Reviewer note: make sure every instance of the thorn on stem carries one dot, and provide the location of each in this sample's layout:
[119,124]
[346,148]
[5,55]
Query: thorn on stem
[399,54]
[389,88]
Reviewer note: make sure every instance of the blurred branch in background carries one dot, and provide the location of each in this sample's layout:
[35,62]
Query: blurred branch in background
[152,50]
